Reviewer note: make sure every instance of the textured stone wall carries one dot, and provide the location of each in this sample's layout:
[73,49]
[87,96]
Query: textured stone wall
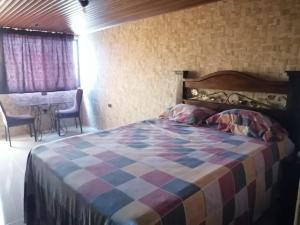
[131,66]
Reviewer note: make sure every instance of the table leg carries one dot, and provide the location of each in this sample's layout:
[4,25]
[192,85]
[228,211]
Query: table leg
[37,113]
[52,110]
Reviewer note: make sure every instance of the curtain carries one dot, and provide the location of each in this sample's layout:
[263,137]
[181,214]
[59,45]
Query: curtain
[3,83]
[38,63]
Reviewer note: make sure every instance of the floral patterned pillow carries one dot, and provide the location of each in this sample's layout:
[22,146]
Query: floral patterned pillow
[248,123]
[189,114]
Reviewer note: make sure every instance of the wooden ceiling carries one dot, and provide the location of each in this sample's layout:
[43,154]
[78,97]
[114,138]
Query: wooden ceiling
[68,16]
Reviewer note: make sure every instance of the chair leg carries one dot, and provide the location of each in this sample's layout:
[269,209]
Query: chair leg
[80,124]
[5,133]
[9,136]
[55,123]
[34,132]
[75,122]
[30,130]
[58,126]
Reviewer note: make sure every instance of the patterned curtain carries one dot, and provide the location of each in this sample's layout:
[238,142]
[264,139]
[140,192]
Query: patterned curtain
[38,63]
[3,83]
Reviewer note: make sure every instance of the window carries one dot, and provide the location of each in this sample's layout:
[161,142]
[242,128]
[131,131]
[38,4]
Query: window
[39,62]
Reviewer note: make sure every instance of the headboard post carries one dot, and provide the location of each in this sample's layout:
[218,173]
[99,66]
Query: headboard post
[293,107]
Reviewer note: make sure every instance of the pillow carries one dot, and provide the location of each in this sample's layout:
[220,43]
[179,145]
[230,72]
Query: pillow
[248,123]
[189,114]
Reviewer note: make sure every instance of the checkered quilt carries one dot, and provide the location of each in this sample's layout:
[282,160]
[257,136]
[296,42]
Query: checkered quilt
[156,172]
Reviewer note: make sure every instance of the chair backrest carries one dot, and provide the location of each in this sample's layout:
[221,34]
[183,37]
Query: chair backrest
[78,99]
[3,114]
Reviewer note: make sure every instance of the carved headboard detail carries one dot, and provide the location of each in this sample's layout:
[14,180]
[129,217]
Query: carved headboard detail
[217,90]
[237,81]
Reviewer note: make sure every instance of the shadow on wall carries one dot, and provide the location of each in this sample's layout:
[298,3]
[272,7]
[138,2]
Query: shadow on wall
[89,81]
[90,109]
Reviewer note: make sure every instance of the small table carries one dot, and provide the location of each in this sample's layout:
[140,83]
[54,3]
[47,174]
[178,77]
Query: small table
[44,105]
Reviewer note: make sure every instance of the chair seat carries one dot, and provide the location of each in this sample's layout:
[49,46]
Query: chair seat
[19,120]
[67,113]
[73,112]
[16,120]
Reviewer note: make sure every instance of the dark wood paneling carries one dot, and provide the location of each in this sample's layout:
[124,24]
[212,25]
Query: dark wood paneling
[67,16]
[236,81]
[293,107]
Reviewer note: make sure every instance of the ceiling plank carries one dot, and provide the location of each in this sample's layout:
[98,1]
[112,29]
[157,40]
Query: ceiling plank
[63,16]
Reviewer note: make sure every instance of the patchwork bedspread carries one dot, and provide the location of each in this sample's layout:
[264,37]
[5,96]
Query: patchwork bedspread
[151,173]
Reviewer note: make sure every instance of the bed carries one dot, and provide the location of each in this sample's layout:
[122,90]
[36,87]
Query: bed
[159,171]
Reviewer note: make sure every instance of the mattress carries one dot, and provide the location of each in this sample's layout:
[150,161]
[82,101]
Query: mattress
[152,172]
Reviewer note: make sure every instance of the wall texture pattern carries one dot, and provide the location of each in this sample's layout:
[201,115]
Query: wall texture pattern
[131,66]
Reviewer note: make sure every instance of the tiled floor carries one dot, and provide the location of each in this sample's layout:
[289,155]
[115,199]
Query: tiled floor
[12,170]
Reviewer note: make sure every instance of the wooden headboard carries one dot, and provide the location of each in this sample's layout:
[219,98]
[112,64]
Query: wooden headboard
[237,82]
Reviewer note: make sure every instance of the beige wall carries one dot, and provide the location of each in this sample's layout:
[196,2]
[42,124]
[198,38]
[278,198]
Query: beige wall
[131,66]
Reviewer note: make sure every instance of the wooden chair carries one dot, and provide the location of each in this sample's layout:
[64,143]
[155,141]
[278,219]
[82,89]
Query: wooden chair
[73,112]
[13,121]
